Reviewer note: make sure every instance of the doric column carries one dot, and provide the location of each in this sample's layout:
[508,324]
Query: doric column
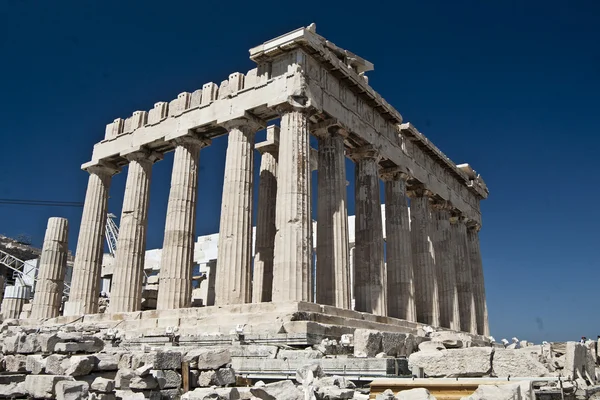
[481,312]
[426,288]
[292,267]
[175,282]
[51,275]
[462,267]
[126,290]
[400,275]
[369,268]
[444,266]
[262,280]
[85,283]
[235,232]
[332,274]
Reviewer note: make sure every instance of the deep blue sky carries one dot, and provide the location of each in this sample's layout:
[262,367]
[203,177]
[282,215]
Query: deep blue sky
[510,87]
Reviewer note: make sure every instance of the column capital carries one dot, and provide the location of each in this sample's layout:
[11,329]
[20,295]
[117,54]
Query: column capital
[295,103]
[328,127]
[456,217]
[361,153]
[192,139]
[247,123]
[142,154]
[102,168]
[419,190]
[441,205]
[473,225]
[393,174]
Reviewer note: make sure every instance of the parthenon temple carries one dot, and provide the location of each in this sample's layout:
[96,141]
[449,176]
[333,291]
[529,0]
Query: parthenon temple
[427,271]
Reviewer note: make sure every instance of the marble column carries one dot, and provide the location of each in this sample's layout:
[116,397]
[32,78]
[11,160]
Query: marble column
[369,268]
[292,266]
[400,275]
[85,283]
[444,266]
[462,267]
[177,262]
[126,291]
[51,275]
[481,312]
[232,285]
[332,274]
[426,286]
[262,280]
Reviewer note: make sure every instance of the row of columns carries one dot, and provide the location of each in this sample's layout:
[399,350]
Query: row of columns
[430,261]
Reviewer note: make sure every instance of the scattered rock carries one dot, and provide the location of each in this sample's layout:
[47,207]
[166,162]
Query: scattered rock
[103,385]
[367,342]
[206,378]
[282,390]
[206,359]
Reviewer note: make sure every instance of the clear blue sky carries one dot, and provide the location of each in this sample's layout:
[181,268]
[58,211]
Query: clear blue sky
[510,87]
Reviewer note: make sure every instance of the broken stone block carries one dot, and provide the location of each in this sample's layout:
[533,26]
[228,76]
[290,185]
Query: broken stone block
[129,395]
[103,385]
[253,350]
[167,379]
[56,365]
[432,345]
[15,363]
[146,382]
[224,377]
[206,359]
[392,343]
[415,394]
[12,390]
[308,354]
[9,346]
[102,396]
[80,365]
[212,393]
[67,390]
[206,378]
[144,370]
[167,360]
[509,391]
[367,342]
[67,347]
[515,362]
[122,378]
[282,390]
[386,395]
[576,362]
[307,374]
[106,362]
[469,362]
[334,393]
[28,344]
[43,386]
[35,363]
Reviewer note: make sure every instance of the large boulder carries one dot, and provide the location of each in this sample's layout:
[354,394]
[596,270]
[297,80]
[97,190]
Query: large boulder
[43,386]
[468,362]
[205,359]
[367,342]
[515,363]
[282,390]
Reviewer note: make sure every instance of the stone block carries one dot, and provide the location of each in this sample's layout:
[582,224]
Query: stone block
[516,363]
[510,391]
[56,364]
[307,374]
[129,395]
[576,363]
[393,343]
[107,362]
[282,390]
[206,359]
[145,382]
[28,344]
[167,360]
[432,345]
[123,377]
[470,362]
[43,386]
[102,396]
[15,363]
[253,350]
[67,390]
[103,385]
[35,363]
[308,354]
[12,390]
[212,393]
[224,377]
[80,365]
[167,379]
[367,342]
[415,394]
[334,393]
[144,370]
[47,342]
[205,378]
[68,347]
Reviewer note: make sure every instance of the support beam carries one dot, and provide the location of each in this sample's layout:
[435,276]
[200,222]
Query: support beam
[85,284]
[292,268]
[53,265]
[175,284]
[369,268]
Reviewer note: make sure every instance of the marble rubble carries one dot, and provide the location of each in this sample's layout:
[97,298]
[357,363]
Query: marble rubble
[400,294]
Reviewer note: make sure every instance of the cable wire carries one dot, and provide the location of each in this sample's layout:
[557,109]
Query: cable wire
[48,203]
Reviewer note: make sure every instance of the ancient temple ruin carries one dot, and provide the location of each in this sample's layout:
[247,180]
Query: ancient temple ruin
[432,270]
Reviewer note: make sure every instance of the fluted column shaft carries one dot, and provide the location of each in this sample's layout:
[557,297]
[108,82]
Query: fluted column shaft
[332,275]
[262,280]
[477,277]
[51,274]
[426,287]
[444,266]
[85,283]
[176,268]
[400,275]
[369,268]
[126,290]
[462,267]
[292,268]
[232,285]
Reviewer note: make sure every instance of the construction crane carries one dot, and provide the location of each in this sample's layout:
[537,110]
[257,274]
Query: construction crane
[111,233]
